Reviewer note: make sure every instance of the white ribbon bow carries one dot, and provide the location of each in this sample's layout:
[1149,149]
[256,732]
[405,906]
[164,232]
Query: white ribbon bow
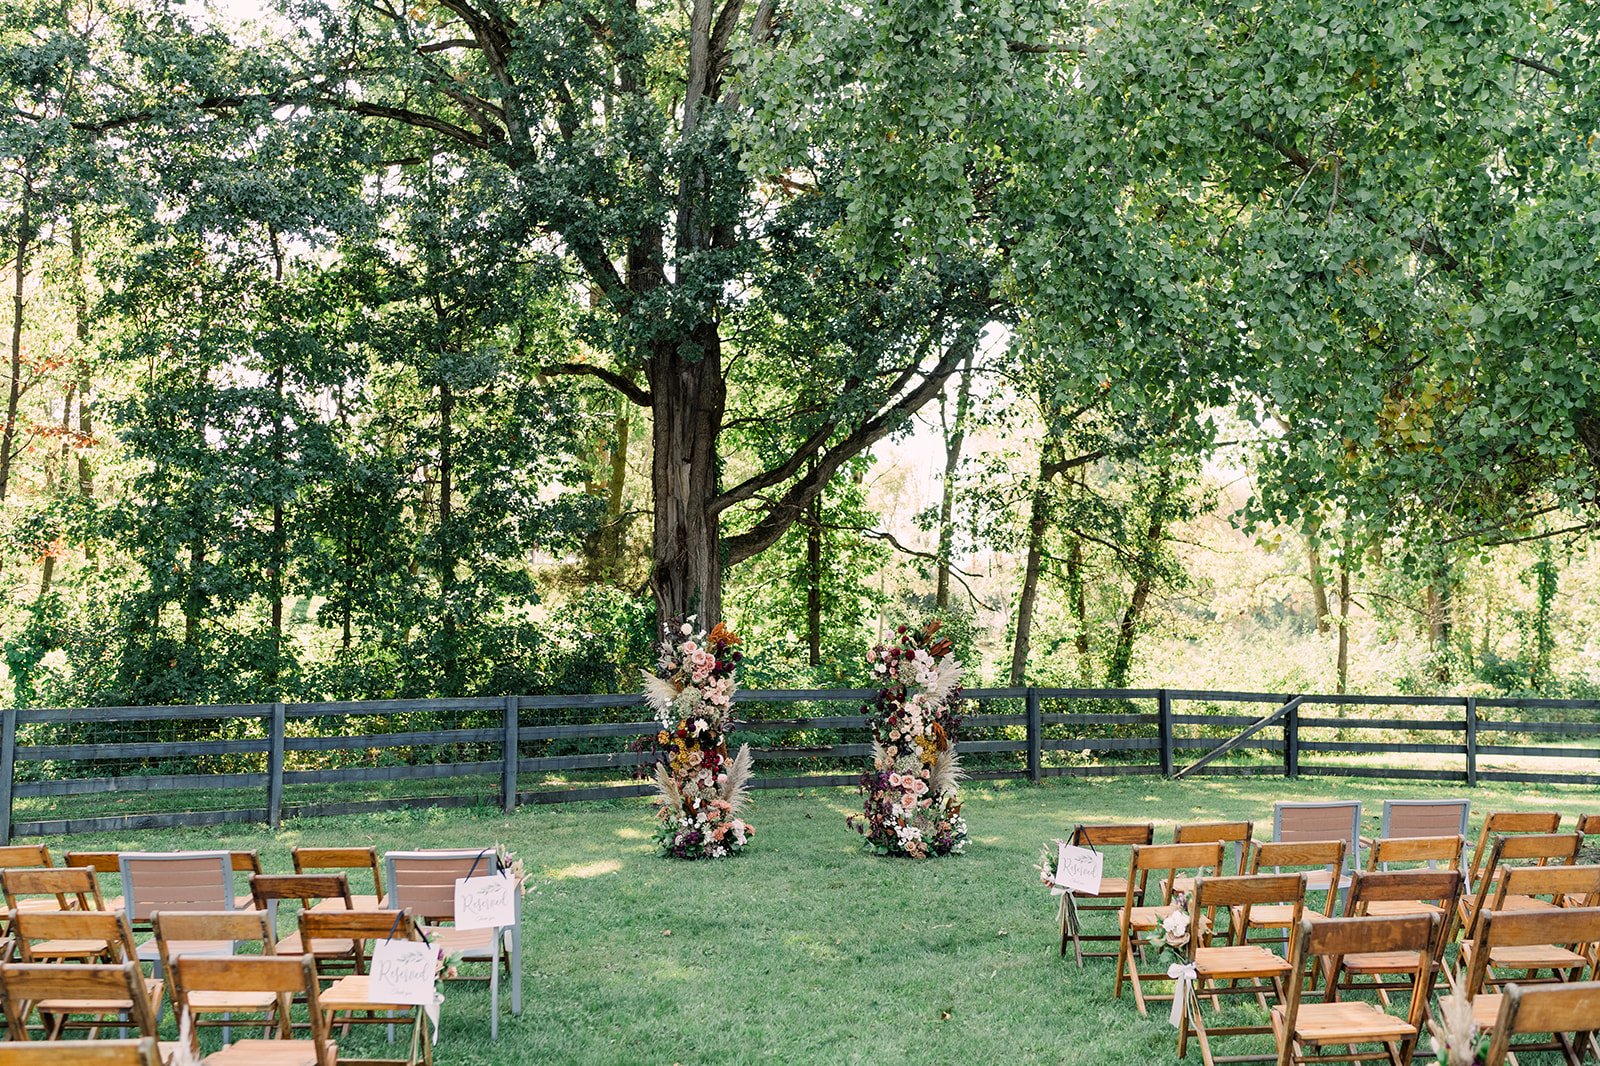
[1184,973]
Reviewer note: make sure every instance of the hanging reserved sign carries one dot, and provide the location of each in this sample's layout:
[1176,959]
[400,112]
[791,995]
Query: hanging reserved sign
[1079,870]
[486,902]
[403,971]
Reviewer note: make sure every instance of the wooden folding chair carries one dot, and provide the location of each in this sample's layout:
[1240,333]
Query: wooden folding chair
[1571,1013]
[1508,823]
[26,856]
[1263,971]
[424,882]
[348,861]
[247,863]
[1527,886]
[1400,893]
[185,934]
[1317,858]
[1408,852]
[52,889]
[1236,835]
[142,1052]
[107,994]
[1141,925]
[310,891]
[1073,905]
[347,1000]
[74,936]
[1424,818]
[1294,823]
[1302,1028]
[279,978]
[1529,941]
[1540,849]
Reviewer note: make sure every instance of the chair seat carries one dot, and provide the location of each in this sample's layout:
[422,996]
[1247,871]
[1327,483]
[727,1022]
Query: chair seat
[1322,881]
[51,950]
[1350,1022]
[357,903]
[351,993]
[1401,908]
[153,986]
[1139,918]
[246,902]
[479,943]
[1267,916]
[150,951]
[1249,960]
[1526,903]
[214,1002]
[266,1053]
[1376,962]
[1110,888]
[1486,1010]
[290,945]
[1526,957]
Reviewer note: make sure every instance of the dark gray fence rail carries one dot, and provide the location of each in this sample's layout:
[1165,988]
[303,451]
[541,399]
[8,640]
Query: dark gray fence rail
[253,752]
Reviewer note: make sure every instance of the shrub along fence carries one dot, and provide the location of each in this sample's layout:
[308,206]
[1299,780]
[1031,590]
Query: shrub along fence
[79,770]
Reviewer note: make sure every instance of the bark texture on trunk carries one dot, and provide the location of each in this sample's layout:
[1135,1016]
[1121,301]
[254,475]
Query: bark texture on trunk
[1319,585]
[688,404]
[1343,664]
[1121,663]
[19,266]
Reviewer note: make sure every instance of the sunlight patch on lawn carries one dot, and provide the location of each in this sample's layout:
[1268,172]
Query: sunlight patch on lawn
[585,870]
[629,833]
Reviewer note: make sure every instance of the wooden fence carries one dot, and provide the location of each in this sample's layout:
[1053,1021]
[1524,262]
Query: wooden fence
[244,758]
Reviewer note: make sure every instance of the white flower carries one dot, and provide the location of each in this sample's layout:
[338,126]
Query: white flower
[686,629]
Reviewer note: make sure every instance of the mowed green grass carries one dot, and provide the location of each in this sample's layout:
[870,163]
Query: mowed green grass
[806,948]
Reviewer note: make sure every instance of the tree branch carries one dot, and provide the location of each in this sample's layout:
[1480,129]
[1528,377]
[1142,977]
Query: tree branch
[621,382]
[1029,48]
[787,508]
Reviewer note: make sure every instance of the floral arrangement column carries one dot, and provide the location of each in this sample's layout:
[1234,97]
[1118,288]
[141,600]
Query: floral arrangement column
[913,802]
[700,790]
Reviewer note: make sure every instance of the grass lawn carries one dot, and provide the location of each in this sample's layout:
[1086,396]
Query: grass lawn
[806,948]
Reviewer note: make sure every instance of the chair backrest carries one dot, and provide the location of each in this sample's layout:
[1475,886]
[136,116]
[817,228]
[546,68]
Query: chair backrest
[1431,850]
[97,927]
[1424,818]
[309,889]
[1236,835]
[17,855]
[179,933]
[1300,854]
[1340,820]
[424,882]
[1169,860]
[71,886]
[142,1052]
[1571,1008]
[178,881]
[1328,940]
[1508,823]
[1572,927]
[1589,824]
[1246,891]
[358,927]
[101,862]
[1439,887]
[286,976]
[314,860]
[26,984]
[1556,882]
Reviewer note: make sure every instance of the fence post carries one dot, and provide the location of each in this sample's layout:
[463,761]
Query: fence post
[8,769]
[1472,742]
[1164,727]
[275,766]
[1035,734]
[1291,742]
[508,779]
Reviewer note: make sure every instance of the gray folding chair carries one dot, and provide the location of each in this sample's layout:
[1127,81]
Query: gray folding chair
[1425,818]
[424,883]
[174,881]
[1303,822]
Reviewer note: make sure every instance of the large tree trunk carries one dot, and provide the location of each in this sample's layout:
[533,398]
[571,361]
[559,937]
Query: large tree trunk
[8,434]
[955,436]
[1038,522]
[687,402]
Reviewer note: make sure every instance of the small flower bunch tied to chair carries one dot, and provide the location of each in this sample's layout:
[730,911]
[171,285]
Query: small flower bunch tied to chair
[913,802]
[701,791]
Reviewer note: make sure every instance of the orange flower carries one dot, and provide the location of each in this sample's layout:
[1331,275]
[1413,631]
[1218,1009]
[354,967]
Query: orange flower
[721,634]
